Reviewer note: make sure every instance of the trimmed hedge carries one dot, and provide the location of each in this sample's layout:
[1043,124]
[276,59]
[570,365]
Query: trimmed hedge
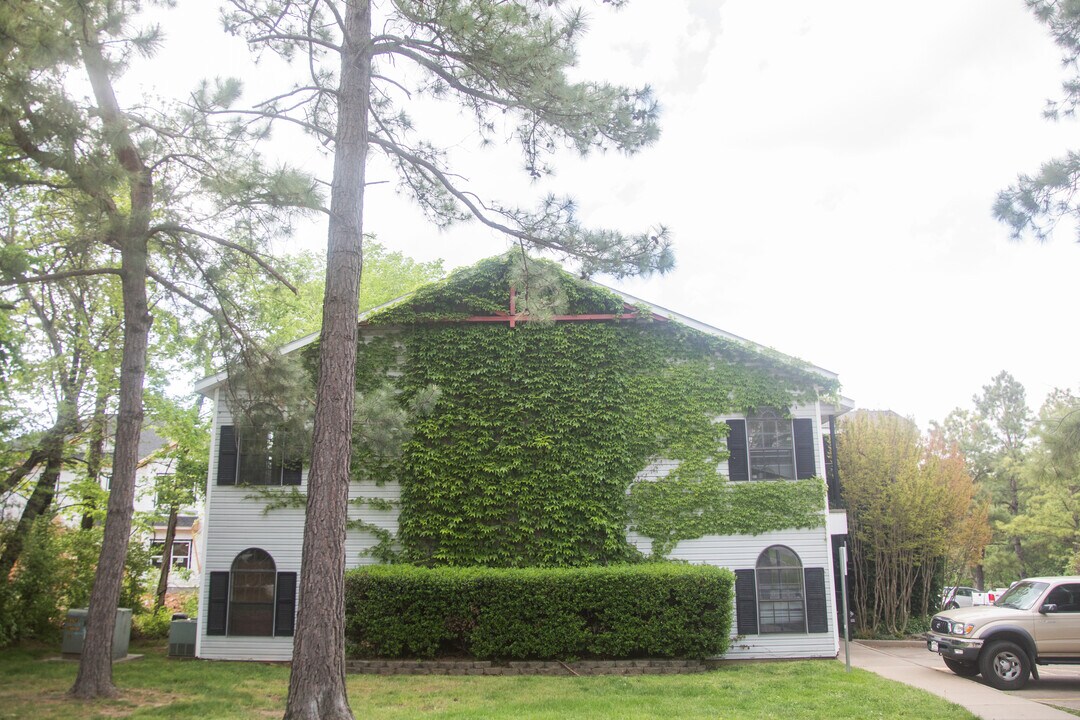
[622,611]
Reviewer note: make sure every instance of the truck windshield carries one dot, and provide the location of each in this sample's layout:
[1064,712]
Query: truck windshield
[1022,595]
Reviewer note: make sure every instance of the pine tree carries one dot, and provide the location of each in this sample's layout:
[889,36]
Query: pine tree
[1037,202]
[501,61]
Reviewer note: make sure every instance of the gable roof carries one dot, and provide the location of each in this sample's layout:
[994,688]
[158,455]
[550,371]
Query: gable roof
[385,312]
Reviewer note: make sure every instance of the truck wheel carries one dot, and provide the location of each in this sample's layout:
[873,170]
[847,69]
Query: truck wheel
[1004,665]
[952,606]
[961,668]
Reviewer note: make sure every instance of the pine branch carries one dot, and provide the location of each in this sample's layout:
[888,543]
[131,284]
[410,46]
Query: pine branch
[49,277]
[174,229]
[289,37]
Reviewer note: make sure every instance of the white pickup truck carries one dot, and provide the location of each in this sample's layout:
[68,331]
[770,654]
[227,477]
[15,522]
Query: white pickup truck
[960,596]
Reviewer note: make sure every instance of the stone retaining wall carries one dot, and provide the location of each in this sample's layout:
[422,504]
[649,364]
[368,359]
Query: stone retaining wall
[525,667]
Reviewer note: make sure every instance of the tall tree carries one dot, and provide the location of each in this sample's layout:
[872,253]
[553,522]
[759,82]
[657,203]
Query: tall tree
[502,61]
[165,196]
[994,440]
[1036,203]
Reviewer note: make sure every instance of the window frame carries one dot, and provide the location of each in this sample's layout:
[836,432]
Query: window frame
[235,605]
[770,604]
[769,415]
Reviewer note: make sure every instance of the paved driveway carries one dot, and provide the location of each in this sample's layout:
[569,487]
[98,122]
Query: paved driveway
[1059,685]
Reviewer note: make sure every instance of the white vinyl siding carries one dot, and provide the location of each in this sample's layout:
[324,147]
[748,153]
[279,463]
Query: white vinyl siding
[234,523]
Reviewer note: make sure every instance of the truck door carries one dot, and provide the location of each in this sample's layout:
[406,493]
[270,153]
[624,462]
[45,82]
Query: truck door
[1058,632]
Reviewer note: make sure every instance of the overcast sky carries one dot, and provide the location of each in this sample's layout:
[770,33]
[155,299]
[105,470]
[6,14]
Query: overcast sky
[827,170]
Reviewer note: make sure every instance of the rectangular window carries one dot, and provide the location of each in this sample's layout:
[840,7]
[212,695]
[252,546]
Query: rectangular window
[181,553]
[267,457]
[771,446]
[780,600]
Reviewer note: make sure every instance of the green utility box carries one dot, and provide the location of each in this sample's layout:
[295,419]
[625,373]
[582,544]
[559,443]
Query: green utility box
[75,633]
[182,634]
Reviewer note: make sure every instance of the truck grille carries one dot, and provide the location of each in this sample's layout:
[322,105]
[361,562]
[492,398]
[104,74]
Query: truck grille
[939,624]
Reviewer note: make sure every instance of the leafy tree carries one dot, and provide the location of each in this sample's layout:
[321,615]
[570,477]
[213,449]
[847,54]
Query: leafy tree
[1050,521]
[165,196]
[909,499]
[277,315]
[65,327]
[1036,203]
[186,456]
[506,63]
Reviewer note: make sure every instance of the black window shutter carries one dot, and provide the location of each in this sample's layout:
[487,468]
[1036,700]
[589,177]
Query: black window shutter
[746,602]
[226,463]
[285,610]
[738,466]
[217,614]
[804,448]
[817,618]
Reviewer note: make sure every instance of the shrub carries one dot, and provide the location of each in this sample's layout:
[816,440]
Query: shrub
[152,625]
[622,611]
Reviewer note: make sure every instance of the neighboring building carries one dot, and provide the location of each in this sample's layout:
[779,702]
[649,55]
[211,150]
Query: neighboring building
[785,605]
[154,464]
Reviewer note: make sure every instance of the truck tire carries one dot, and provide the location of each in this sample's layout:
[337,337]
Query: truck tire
[1004,665]
[961,668]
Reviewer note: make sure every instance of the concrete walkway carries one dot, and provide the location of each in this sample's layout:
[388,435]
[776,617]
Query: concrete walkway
[911,663]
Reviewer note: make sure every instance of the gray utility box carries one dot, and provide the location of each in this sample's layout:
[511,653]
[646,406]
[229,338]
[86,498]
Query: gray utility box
[182,638]
[75,633]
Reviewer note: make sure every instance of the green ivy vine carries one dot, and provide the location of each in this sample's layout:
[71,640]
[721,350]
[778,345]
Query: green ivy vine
[531,454]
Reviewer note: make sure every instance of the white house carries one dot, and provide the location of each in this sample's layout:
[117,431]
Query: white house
[785,594]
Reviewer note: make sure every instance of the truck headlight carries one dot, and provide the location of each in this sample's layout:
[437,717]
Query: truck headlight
[960,628]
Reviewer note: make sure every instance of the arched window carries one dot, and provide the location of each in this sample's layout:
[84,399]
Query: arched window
[251,596]
[781,604]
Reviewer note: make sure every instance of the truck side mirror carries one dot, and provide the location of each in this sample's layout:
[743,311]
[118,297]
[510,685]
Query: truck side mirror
[1048,608]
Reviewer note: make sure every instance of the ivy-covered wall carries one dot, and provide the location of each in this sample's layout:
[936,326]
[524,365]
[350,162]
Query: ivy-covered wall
[531,453]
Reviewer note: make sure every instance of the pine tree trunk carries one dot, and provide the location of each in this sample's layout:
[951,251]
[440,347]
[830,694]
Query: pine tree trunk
[317,682]
[166,559]
[95,666]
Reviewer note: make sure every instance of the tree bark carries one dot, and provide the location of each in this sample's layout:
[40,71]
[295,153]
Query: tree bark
[37,505]
[51,452]
[95,665]
[166,559]
[16,476]
[317,681]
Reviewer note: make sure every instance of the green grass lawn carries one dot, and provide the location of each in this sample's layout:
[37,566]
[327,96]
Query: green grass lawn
[31,686]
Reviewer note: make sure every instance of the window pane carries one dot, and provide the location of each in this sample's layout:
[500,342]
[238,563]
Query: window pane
[254,559]
[254,460]
[253,587]
[778,556]
[251,619]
